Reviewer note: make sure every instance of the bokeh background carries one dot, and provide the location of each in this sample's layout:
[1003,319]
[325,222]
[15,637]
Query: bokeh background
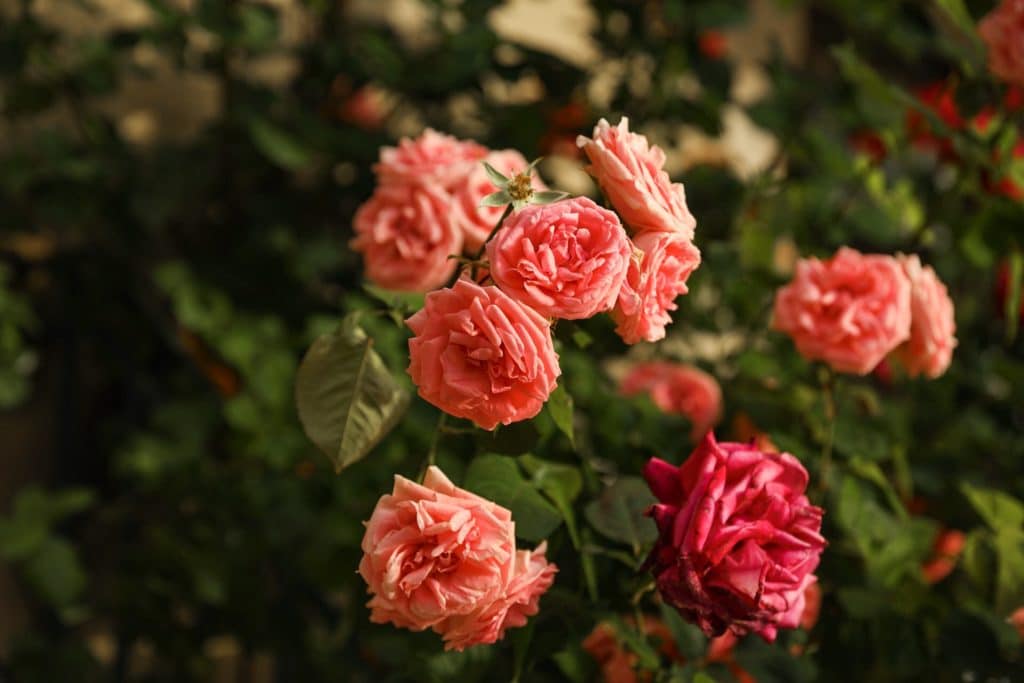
[177,180]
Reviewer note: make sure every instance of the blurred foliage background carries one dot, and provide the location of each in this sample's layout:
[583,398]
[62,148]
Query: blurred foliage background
[177,179]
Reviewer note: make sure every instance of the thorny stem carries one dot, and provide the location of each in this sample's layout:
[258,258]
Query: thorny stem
[435,441]
[497,226]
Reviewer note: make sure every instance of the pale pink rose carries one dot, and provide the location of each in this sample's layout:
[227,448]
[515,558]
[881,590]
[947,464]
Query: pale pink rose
[565,260]
[475,221]
[433,159]
[434,552]
[679,389]
[630,172]
[406,237]
[481,355]
[1002,29]
[658,270]
[929,350]
[850,310]
[531,577]
[738,541]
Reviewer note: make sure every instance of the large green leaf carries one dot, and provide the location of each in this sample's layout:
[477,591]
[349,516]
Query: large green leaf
[619,513]
[347,399]
[560,406]
[561,483]
[999,510]
[1009,545]
[498,478]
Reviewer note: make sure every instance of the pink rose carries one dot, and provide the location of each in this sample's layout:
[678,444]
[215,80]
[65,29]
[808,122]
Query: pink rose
[679,389]
[1002,29]
[657,275]
[437,556]
[738,540]
[406,237]
[432,552]
[930,347]
[475,221]
[433,160]
[565,260]
[531,577]
[481,355]
[849,311]
[630,172]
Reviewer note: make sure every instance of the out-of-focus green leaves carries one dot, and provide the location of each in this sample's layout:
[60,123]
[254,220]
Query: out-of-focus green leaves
[560,406]
[346,397]
[17,360]
[1015,283]
[499,478]
[618,513]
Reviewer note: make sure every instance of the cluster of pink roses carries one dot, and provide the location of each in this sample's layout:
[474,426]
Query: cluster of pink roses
[853,310]
[436,556]
[483,351]
[426,208]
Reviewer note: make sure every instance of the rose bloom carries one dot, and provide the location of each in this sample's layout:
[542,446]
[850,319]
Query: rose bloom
[658,270]
[630,172]
[433,159]
[565,260]
[738,540]
[618,664]
[850,310]
[481,355]
[679,389]
[531,577]
[1002,29]
[929,350]
[406,237]
[475,221]
[437,556]
[940,98]
[1017,621]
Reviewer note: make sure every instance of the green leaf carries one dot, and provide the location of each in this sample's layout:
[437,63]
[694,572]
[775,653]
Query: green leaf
[404,302]
[561,483]
[999,510]
[1013,294]
[54,572]
[560,406]
[956,10]
[1009,546]
[690,640]
[496,199]
[21,538]
[278,145]
[637,642]
[346,398]
[498,179]
[547,197]
[498,478]
[619,513]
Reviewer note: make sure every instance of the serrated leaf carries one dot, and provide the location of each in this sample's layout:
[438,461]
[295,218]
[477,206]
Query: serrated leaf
[347,399]
[560,406]
[547,196]
[278,145]
[496,199]
[498,478]
[497,178]
[999,510]
[618,513]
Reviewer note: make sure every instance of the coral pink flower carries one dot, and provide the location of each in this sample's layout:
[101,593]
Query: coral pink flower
[738,540]
[437,556]
[948,546]
[432,552]
[658,270]
[929,350]
[680,389]
[406,237]
[475,221]
[630,172]
[1017,621]
[433,159]
[531,577]
[1002,29]
[481,355]
[849,311]
[565,260]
